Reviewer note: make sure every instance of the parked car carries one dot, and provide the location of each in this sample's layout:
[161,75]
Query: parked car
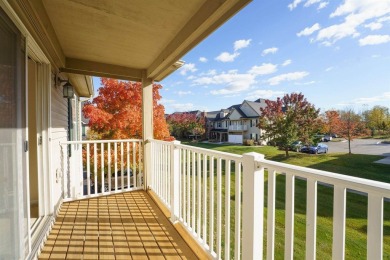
[315,149]
[327,138]
[296,146]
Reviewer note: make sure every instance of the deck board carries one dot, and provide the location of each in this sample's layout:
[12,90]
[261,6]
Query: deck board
[121,226]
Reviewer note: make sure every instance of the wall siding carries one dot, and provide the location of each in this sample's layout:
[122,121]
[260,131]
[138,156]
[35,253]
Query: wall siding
[59,133]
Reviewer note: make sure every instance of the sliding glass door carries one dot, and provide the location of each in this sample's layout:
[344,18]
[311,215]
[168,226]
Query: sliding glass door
[14,238]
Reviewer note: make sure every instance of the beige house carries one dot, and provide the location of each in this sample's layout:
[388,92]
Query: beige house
[237,123]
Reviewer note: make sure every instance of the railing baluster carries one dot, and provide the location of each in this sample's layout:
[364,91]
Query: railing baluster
[139,163]
[193,176]
[219,206]
[375,227]
[109,175]
[237,208]
[339,202]
[188,188]
[227,208]
[271,214]
[311,219]
[134,166]
[95,166]
[88,171]
[211,227]
[289,221]
[199,193]
[122,169]
[128,163]
[204,222]
[184,175]
[102,165]
[116,165]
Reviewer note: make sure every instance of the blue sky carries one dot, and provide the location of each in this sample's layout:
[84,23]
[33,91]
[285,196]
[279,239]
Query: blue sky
[337,53]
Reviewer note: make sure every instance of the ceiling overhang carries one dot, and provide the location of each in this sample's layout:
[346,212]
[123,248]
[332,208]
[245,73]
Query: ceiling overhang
[122,39]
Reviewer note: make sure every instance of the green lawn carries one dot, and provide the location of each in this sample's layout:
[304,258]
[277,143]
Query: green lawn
[356,224]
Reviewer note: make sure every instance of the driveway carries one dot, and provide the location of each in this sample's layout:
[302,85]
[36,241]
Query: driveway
[360,146]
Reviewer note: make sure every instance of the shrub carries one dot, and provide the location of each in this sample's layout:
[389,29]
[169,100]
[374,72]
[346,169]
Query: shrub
[249,142]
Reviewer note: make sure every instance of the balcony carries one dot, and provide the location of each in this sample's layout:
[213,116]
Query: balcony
[215,200]
[238,128]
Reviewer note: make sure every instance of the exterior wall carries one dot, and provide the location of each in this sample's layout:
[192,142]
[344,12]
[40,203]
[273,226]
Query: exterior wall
[248,110]
[59,133]
[235,115]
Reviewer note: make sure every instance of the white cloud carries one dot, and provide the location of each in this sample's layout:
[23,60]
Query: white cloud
[384,19]
[269,50]
[305,83]
[190,67]
[311,2]
[309,30]
[373,26]
[355,14]
[177,107]
[203,59]
[286,63]
[232,82]
[329,69]
[294,4]
[287,77]
[322,5]
[227,57]
[365,100]
[182,93]
[263,69]
[374,40]
[267,94]
[240,44]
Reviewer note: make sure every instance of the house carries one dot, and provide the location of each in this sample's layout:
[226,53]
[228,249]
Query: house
[236,123]
[54,202]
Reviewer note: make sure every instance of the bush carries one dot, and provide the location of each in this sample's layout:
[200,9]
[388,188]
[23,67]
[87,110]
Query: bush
[249,142]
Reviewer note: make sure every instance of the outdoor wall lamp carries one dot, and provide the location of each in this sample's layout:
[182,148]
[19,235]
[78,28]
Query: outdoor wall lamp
[67,90]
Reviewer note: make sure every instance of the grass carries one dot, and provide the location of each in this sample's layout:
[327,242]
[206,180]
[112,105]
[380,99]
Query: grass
[362,166]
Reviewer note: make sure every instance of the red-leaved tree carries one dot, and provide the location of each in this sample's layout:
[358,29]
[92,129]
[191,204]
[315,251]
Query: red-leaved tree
[184,124]
[289,119]
[116,113]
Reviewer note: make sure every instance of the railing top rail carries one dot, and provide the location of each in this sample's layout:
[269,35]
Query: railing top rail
[355,183]
[160,141]
[101,141]
[224,155]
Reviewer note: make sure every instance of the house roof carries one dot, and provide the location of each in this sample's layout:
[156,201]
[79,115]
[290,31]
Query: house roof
[130,40]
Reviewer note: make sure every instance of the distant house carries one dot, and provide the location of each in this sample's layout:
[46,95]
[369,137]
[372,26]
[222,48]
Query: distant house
[236,123]
[84,123]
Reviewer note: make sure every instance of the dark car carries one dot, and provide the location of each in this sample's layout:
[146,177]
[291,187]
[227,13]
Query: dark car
[315,149]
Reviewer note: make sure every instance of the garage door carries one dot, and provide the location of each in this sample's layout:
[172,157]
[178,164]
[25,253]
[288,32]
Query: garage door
[237,139]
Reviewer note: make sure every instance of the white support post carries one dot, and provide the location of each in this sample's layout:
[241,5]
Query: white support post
[252,207]
[175,181]
[147,127]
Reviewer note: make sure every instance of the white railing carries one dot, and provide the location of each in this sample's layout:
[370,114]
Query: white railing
[376,192]
[98,167]
[190,182]
[203,188]
[238,127]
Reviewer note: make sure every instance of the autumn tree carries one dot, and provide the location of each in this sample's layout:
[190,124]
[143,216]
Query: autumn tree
[332,122]
[351,126]
[116,113]
[289,119]
[182,124]
[377,118]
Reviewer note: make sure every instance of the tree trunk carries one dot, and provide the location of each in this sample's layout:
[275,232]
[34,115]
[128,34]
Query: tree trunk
[286,150]
[349,144]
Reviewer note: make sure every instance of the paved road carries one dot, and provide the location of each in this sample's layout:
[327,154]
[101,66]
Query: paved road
[360,146]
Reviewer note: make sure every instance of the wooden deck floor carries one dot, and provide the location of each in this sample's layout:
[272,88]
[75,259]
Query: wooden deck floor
[122,226]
